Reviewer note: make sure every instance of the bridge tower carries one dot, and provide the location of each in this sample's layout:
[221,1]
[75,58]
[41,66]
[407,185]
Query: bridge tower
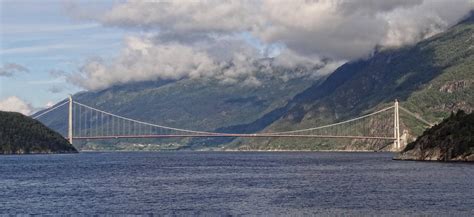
[70,130]
[396,127]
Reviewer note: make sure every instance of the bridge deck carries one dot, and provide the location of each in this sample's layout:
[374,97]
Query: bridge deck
[230,135]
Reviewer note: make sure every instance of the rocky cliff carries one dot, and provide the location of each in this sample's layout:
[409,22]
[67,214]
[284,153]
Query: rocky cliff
[451,140]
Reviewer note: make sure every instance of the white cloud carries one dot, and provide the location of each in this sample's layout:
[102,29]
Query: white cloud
[409,25]
[184,16]
[200,38]
[330,67]
[10,69]
[346,29]
[15,104]
[49,104]
[290,59]
[339,29]
[142,60]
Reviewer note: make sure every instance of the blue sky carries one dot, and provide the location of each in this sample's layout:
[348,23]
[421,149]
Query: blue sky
[42,37]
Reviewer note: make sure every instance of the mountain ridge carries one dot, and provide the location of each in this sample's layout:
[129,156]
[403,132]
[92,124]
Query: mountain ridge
[408,74]
[429,72]
[196,104]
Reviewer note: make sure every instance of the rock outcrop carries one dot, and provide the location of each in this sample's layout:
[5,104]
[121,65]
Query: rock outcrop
[451,140]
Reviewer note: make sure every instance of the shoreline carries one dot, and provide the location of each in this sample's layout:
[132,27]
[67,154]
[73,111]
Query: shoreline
[235,150]
[201,150]
[435,161]
[290,150]
[39,153]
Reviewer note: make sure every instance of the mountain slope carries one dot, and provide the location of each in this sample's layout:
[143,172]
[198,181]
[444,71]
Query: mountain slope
[433,78]
[451,140]
[22,135]
[197,104]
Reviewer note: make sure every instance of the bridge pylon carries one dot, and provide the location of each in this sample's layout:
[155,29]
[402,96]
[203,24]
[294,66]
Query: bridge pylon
[70,125]
[396,127]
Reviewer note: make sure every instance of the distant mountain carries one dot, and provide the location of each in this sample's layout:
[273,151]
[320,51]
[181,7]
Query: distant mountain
[432,77]
[197,104]
[22,135]
[451,140]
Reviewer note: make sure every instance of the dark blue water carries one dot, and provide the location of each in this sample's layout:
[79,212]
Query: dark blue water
[216,183]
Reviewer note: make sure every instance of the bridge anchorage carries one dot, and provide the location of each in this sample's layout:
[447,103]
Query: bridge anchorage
[89,123]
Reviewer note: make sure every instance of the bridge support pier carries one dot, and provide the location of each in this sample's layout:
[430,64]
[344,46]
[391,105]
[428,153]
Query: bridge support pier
[396,127]
[70,130]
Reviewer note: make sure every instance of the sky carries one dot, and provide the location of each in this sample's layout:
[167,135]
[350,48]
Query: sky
[44,40]
[53,48]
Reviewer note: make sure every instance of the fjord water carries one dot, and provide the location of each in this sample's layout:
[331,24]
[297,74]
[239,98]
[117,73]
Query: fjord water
[233,183]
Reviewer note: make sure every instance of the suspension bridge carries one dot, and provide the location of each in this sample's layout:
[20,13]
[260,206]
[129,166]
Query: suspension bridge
[85,122]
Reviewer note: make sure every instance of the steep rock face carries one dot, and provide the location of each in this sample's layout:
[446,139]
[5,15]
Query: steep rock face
[431,78]
[455,86]
[22,135]
[451,140]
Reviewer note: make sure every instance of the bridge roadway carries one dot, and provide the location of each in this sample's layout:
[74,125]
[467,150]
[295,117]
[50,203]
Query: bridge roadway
[260,135]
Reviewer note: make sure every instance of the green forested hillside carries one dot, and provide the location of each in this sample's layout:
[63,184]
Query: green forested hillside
[433,78]
[22,135]
[198,104]
[451,140]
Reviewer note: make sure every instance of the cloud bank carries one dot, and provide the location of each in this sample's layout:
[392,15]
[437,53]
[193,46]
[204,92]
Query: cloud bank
[15,104]
[10,69]
[223,39]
